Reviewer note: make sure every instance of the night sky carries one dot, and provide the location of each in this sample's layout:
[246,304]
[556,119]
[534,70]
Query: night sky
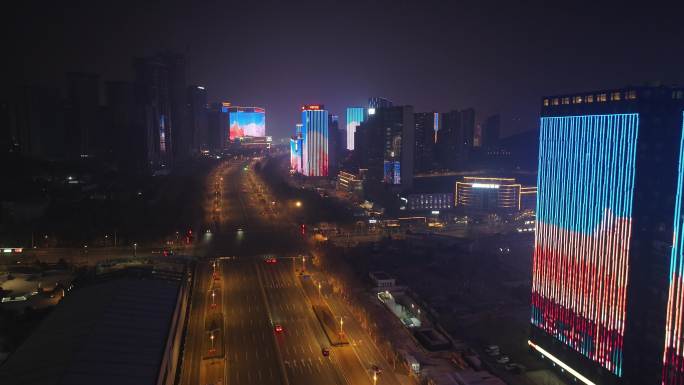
[495,56]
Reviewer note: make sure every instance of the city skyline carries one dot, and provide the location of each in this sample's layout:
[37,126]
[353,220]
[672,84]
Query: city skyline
[510,56]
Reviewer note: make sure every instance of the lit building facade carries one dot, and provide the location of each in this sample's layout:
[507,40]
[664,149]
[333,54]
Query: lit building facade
[355,116]
[609,163]
[296,151]
[493,195]
[430,201]
[314,140]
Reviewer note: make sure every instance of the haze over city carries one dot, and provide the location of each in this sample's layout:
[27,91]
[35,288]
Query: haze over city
[342,193]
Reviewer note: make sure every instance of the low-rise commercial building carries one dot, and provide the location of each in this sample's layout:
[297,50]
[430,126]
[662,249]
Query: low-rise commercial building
[494,195]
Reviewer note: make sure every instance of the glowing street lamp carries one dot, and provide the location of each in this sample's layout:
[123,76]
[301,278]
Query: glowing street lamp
[303,261]
[213,295]
[375,378]
[211,337]
[298,203]
[135,249]
[341,324]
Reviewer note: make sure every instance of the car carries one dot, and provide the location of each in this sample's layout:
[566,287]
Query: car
[376,369]
[278,328]
[326,352]
[503,360]
[271,260]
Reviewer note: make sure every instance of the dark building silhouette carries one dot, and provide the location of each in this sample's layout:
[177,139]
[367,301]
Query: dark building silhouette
[335,145]
[427,128]
[386,143]
[491,132]
[123,140]
[610,185]
[451,150]
[153,111]
[178,99]
[32,122]
[198,118]
[218,126]
[83,129]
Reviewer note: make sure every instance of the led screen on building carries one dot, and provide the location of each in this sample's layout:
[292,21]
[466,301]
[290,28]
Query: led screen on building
[247,121]
[355,116]
[392,172]
[296,155]
[673,360]
[584,220]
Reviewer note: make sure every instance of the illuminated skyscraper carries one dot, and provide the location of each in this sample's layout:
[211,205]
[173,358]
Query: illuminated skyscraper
[296,151]
[427,127]
[314,140]
[355,116]
[607,181]
[386,145]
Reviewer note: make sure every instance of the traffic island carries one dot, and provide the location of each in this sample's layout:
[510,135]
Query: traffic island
[330,326]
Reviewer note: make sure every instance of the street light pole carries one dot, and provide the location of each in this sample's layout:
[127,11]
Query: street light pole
[341,323]
[135,250]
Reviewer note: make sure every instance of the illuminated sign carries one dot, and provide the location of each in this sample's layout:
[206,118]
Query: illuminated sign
[371,111]
[225,104]
[200,87]
[485,185]
[312,107]
[435,212]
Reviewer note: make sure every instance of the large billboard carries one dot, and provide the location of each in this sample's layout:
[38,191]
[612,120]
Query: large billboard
[584,223]
[247,121]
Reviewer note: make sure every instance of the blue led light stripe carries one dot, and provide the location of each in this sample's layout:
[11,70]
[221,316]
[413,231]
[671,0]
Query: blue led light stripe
[584,207]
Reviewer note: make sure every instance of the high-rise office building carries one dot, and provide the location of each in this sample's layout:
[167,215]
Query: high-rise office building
[468,127]
[32,123]
[198,126]
[296,150]
[385,144]
[125,142]
[83,114]
[161,104]
[334,144]
[491,132]
[218,126]
[607,194]
[427,128]
[178,99]
[377,102]
[450,150]
[153,110]
[315,138]
[355,116]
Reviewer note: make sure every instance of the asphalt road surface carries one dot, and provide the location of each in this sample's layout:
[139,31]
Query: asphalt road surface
[251,296]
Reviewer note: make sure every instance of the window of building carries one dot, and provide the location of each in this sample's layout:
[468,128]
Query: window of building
[589,99]
[566,100]
[631,95]
[577,99]
[546,102]
[601,97]
[555,101]
[678,94]
[615,96]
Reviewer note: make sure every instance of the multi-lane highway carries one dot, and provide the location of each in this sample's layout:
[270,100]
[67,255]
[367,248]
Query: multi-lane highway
[250,297]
